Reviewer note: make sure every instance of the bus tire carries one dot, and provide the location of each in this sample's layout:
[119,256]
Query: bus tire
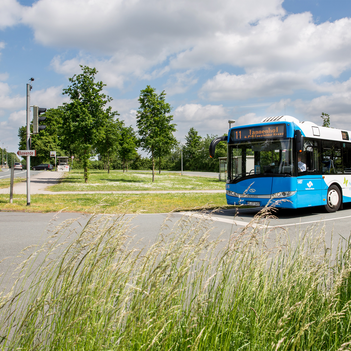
[333,199]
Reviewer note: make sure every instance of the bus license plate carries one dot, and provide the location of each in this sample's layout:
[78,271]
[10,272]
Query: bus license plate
[253,203]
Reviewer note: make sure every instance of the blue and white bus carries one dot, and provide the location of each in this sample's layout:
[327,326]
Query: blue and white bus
[295,164]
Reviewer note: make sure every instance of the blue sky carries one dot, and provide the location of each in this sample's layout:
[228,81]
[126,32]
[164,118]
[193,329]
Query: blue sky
[216,60]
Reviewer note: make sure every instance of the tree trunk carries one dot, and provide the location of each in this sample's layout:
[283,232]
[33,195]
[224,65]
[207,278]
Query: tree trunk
[124,165]
[153,165]
[108,162]
[85,166]
[159,165]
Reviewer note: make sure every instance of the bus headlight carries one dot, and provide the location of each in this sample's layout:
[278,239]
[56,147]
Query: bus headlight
[232,193]
[284,194]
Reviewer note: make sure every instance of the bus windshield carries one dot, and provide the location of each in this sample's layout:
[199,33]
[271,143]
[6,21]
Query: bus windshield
[264,158]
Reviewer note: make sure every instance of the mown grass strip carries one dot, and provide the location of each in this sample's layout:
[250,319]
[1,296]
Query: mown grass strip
[112,203]
[131,181]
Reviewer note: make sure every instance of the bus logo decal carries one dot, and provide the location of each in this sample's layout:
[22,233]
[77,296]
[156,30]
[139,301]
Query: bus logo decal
[252,190]
[345,181]
[309,184]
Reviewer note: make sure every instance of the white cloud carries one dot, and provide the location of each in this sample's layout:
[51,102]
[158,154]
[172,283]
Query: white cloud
[50,98]
[133,38]
[249,118]
[10,13]
[127,109]
[139,26]
[292,43]
[337,105]
[225,86]
[208,119]
[8,102]
[180,82]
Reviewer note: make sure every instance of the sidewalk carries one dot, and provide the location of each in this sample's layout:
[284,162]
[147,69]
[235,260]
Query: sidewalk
[38,184]
[41,181]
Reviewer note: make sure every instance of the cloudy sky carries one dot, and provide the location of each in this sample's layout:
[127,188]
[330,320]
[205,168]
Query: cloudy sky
[216,59]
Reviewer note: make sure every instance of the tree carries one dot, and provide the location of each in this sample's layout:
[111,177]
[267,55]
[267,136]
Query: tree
[164,148]
[127,146]
[109,138]
[47,140]
[85,115]
[326,120]
[154,124]
[191,149]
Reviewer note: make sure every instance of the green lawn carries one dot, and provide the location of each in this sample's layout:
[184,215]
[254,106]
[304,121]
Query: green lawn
[117,203]
[113,203]
[131,181]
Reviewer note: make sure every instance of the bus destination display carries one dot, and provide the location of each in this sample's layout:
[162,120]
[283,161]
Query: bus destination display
[258,133]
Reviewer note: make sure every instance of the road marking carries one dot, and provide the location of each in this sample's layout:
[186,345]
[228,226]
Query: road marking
[7,174]
[223,220]
[311,222]
[254,225]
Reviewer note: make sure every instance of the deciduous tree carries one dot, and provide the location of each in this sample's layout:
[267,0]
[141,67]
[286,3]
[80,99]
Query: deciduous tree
[192,149]
[47,140]
[154,124]
[108,139]
[85,115]
[326,120]
[127,146]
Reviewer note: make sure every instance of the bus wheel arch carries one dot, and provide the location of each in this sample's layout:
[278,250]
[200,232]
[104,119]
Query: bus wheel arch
[334,198]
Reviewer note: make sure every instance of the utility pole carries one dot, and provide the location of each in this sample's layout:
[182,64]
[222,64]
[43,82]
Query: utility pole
[29,88]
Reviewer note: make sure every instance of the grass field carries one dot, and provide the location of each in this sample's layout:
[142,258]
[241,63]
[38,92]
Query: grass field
[91,290]
[131,181]
[112,203]
[119,181]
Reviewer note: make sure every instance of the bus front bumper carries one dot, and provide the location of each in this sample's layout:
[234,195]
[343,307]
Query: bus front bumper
[280,200]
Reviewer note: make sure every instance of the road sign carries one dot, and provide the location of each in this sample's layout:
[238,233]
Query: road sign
[52,153]
[27,153]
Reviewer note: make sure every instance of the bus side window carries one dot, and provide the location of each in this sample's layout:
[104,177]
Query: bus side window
[347,157]
[310,155]
[332,161]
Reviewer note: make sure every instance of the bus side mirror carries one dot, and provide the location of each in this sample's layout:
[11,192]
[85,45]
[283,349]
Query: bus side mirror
[214,143]
[298,141]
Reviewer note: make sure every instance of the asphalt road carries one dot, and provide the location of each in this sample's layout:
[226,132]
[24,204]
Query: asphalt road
[6,173]
[19,230]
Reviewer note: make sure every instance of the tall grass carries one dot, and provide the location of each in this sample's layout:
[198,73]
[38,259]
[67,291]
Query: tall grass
[92,289]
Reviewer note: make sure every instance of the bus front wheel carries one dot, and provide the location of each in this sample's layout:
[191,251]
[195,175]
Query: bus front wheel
[333,199]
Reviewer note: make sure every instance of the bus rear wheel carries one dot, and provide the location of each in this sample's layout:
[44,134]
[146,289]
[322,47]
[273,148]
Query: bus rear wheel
[333,199]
